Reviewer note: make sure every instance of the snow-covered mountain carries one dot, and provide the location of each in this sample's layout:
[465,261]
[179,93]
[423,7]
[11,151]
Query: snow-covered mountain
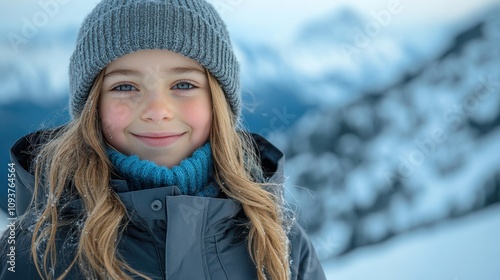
[421,150]
[333,60]
[321,69]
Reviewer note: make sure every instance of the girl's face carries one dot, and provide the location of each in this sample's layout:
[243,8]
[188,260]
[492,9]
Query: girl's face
[155,104]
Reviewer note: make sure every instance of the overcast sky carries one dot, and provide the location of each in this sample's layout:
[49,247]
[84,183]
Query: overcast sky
[263,16]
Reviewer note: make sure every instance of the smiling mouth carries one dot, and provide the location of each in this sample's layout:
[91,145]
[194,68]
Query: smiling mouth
[159,140]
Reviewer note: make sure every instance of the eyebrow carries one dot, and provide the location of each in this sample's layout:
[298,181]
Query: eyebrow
[174,71]
[185,70]
[122,72]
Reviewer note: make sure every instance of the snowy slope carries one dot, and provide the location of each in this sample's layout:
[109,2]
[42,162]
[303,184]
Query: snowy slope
[421,151]
[462,249]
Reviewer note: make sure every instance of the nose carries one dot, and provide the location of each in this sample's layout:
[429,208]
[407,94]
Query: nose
[159,107]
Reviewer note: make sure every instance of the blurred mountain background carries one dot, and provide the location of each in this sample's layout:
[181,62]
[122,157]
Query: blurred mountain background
[390,128]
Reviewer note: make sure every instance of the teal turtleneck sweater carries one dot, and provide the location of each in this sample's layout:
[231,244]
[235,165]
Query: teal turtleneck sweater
[192,176]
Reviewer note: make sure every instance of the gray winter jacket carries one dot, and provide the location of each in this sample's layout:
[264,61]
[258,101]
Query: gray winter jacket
[169,236]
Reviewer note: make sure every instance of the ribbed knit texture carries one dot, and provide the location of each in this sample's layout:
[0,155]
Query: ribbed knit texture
[118,27]
[192,176]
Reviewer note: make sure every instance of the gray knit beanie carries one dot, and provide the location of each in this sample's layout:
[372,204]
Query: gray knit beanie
[118,27]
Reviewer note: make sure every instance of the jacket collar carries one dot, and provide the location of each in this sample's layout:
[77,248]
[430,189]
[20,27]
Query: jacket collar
[22,154]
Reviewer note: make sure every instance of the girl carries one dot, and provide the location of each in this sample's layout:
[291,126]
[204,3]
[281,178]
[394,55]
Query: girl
[151,178]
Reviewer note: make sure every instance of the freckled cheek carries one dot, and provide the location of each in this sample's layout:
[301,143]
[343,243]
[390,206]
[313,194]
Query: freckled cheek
[115,116]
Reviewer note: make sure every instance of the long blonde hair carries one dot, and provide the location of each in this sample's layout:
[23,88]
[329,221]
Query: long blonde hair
[74,163]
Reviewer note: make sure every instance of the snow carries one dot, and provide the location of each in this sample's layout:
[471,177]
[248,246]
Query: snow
[419,153]
[462,249]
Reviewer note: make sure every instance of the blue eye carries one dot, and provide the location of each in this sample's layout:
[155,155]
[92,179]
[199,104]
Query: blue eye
[183,86]
[125,87]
